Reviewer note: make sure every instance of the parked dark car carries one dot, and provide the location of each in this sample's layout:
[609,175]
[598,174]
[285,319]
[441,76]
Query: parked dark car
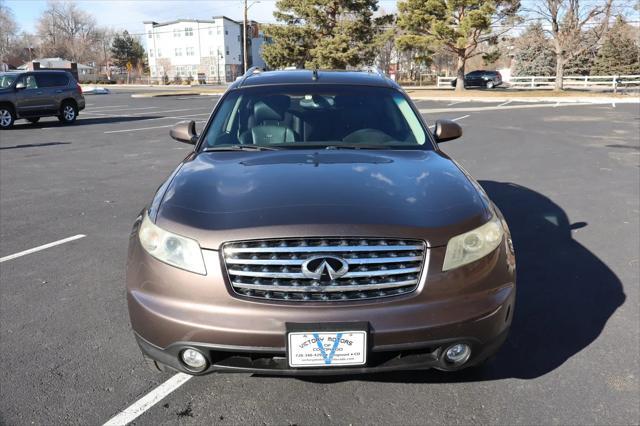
[34,94]
[481,78]
[317,228]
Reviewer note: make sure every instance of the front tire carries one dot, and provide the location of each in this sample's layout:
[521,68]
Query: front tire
[490,84]
[7,117]
[156,366]
[68,113]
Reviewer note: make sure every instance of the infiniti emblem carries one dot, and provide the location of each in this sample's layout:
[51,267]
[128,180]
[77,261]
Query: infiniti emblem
[317,266]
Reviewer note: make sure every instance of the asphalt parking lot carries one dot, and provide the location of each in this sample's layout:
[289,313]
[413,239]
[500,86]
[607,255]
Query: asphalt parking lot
[567,179]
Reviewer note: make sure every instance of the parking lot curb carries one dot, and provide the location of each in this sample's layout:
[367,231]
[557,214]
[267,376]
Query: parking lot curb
[561,99]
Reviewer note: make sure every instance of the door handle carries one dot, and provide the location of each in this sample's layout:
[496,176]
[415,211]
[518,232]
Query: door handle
[38,93]
[58,91]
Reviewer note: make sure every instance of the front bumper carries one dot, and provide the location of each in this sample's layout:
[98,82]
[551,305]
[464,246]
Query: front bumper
[247,360]
[172,309]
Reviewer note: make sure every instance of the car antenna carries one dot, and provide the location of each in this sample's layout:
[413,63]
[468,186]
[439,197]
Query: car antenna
[315,74]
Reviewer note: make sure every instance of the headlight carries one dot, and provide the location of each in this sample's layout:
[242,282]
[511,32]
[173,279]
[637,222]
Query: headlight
[473,245]
[170,248]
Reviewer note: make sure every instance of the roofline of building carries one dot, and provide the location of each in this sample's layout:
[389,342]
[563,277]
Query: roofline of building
[204,21]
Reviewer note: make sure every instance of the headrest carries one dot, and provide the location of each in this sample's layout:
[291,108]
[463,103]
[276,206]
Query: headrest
[271,108]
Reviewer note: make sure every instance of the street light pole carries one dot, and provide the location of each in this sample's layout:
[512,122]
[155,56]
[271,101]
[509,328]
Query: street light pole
[244,38]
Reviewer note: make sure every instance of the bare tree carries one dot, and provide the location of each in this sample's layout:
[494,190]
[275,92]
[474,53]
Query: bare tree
[574,27]
[8,31]
[68,32]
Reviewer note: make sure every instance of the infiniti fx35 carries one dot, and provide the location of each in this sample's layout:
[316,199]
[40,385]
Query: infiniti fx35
[317,228]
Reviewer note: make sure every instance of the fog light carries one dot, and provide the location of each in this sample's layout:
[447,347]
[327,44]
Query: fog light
[457,354]
[194,359]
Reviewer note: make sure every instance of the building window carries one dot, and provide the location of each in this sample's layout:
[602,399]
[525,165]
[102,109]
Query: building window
[219,30]
[227,52]
[151,53]
[213,70]
[159,53]
[178,51]
[185,70]
[150,34]
[190,51]
[188,32]
[226,32]
[239,39]
[176,32]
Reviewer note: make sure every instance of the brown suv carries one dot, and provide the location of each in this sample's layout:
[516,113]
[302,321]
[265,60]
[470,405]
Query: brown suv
[316,228]
[34,94]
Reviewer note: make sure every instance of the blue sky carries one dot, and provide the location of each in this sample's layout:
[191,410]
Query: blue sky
[122,14]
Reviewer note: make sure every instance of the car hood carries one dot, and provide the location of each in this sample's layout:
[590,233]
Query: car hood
[224,196]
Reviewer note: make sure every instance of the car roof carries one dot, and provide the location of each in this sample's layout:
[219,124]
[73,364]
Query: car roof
[40,71]
[287,77]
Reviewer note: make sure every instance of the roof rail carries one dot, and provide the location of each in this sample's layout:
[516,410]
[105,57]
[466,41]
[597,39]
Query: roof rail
[249,73]
[372,69]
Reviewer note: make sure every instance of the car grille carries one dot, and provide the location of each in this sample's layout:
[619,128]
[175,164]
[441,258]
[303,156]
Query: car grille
[273,269]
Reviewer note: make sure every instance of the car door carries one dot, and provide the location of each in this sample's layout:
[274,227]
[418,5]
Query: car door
[51,86]
[472,79]
[30,100]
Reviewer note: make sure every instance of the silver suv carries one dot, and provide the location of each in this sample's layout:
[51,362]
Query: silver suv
[34,94]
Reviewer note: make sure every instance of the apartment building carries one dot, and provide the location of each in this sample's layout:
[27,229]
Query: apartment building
[202,50]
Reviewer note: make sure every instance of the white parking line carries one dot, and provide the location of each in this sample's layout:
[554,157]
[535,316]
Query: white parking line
[139,114]
[109,106]
[149,400]
[505,103]
[456,103]
[42,247]
[103,112]
[494,108]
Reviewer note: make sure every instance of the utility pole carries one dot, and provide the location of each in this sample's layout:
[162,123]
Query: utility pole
[244,38]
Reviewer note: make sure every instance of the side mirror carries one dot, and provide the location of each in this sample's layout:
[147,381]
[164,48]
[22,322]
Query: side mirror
[446,130]
[20,85]
[185,132]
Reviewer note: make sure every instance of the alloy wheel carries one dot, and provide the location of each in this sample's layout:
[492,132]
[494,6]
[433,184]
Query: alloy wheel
[69,113]
[5,118]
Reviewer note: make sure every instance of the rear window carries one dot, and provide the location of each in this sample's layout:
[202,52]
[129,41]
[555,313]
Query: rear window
[52,79]
[295,116]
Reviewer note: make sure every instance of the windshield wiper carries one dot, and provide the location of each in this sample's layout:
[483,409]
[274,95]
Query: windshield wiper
[358,146]
[240,148]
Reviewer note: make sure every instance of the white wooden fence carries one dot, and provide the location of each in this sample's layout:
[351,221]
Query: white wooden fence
[584,82]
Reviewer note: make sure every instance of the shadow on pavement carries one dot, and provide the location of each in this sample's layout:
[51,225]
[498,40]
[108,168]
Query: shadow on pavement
[34,145]
[80,122]
[564,299]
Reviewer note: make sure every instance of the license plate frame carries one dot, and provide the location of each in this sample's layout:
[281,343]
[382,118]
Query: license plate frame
[327,345]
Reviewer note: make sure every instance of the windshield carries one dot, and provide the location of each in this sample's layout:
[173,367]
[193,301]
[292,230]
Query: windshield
[316,115]
[7,80]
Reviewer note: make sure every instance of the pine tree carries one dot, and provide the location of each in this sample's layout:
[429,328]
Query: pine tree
[620,52]
[126,49]
[533,53]
[330,34]
[459,26]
